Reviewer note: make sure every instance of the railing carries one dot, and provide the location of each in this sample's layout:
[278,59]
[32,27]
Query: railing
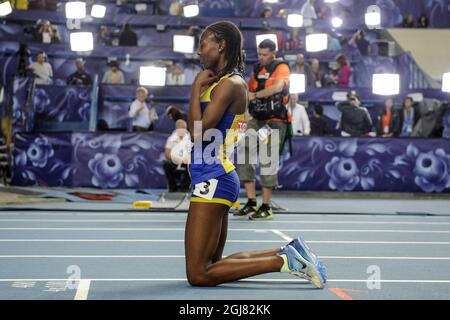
[94,105]
[418,79]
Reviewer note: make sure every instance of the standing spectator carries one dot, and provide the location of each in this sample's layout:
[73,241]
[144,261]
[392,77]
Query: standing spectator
[308,12]
[142,116]
[303,67]
[359,41]
[344,73]
[41,69]
[48,33]
[300,121]
[333,43]
[176,76]
[128,38]
[22,55]
[408,21]
[318,123]
[104,38]
[409,117]
[282,13]
[177,152]
[422,22]
[80,77]
[388,120]
[113,76]
[355,119]
[176,8]
[316,74]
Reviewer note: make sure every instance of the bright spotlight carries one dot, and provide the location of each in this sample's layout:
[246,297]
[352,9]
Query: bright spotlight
[75,10]
[446,82]
[316,42]
[373,17]
[152,76]
[271,36]
[183,44]
[295,20]
[270,1]
[386,84]
[336,22]
[81,41]
[98,11]
[191,10]
[5,8]
[297,83]
[331,1]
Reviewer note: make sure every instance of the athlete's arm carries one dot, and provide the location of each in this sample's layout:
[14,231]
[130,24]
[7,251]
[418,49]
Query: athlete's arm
[223,96]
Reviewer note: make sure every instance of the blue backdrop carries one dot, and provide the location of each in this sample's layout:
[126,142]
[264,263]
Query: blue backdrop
[321,164]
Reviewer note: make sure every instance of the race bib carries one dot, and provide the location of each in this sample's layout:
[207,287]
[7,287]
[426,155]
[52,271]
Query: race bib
[206,189]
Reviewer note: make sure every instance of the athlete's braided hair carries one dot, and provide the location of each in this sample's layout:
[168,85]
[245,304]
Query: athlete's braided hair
[227,31]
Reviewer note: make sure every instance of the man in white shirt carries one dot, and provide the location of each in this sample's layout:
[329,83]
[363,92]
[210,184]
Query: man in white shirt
[42,70]
[300,121]
[177,151]
[142,116]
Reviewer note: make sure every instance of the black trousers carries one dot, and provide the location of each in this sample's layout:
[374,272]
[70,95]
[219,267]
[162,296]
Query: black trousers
[173,174]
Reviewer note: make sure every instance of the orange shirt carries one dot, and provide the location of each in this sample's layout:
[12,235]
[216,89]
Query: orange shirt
[281,72]
[386,120]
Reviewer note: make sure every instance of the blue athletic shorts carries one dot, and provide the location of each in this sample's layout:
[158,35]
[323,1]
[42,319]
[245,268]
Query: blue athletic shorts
[223,189]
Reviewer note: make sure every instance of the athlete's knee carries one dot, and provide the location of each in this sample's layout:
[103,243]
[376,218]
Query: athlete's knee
[199,279]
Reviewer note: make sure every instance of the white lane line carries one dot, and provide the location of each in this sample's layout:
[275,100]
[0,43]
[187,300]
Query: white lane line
[235,241]
[242,230]
[243,280]
[182,256]
[282,235]
[83,289]
[184,220]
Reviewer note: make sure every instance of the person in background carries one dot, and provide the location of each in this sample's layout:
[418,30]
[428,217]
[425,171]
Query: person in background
[303,67]
[359,41]
[355,119]
[175,114]
[408,21]
[388,120]
[318,123]
[128,38]
[104,38]
[267,12]
[114,75]
[308,12]
[41,69]
[409,117]
[142,116]
[316,74]
[300,121]
[80,77]
[422,22]
[48,33]
[176,75]
[294,41]
[344,73]
[177,152]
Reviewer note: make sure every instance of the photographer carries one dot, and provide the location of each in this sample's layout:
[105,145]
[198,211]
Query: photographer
[355,119]
[268,97]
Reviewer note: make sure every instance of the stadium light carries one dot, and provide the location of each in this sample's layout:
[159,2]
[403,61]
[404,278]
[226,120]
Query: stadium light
[5,8]
[316,42]
[183,44]
[446,82]
[152,76]
[297,83]
[191,10]
[386,84]
[336,22]
[270,1]
[331,1]
[270,36]
[98,11]
[373,17]
[295,20]
[81,41]
[75,10]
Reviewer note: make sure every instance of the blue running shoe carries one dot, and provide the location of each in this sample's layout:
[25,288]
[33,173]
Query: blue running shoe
[302,248]
[297,265]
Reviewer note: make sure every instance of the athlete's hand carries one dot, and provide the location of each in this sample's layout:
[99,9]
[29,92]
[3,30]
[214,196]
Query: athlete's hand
[204,78]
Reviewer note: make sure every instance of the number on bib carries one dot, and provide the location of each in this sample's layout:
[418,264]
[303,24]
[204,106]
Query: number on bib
[206,189]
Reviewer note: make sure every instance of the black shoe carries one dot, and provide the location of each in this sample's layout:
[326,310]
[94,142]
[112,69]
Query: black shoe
[246,211]
[263,213]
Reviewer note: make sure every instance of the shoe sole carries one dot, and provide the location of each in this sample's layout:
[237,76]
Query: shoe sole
[311,274]
[318,262]
[266,218]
